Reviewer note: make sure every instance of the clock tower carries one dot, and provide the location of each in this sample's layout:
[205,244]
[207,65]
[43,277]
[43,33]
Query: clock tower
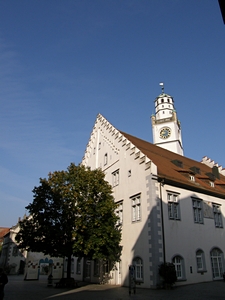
[165,125]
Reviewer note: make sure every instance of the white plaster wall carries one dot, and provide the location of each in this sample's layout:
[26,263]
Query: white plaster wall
[121,156]
[185,237]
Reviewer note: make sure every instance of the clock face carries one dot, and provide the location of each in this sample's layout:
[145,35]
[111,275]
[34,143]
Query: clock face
[165,132]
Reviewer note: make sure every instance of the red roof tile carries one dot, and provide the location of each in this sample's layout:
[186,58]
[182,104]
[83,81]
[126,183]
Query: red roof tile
[171,173]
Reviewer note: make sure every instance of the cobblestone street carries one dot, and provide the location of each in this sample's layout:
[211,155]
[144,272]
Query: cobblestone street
[18,289]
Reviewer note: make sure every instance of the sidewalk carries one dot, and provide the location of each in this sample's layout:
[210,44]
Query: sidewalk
[18,289]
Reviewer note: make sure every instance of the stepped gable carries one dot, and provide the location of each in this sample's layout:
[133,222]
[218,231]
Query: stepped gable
[177,169]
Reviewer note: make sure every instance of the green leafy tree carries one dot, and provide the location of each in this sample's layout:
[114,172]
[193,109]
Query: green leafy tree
[73,213]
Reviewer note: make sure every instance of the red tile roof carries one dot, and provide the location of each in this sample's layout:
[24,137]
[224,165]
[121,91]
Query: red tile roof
[179,176]
[3,231]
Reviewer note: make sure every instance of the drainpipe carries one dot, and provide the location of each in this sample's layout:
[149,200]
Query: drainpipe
[161,184]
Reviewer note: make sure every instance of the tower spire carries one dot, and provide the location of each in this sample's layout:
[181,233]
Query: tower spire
[162,86]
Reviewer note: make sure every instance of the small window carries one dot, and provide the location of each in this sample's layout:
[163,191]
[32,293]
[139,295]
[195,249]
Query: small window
[119,213]
[105,159]
[138,269]
[129,173]
[115,178]
[217,216]
[192,178]
[173,206]
[162,100]
[197,210]
[99,146]
[200,260]
[212,184]
[136,208]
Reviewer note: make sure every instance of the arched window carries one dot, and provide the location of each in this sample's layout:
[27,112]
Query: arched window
[200,261]
[138,268]
[178,262]
[217,263]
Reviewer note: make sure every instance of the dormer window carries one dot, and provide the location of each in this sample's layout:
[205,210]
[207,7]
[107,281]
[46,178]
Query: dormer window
[212,184]
[192,178]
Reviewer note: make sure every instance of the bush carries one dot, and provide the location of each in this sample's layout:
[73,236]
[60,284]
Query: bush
[168,272]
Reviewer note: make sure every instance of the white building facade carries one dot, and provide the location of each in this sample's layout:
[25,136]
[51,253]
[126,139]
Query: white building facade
[171,208]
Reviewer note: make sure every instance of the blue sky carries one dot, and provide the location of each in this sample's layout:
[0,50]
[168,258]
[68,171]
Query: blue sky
[63,62]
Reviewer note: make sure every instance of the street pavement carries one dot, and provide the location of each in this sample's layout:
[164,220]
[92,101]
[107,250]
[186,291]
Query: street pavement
[18,289]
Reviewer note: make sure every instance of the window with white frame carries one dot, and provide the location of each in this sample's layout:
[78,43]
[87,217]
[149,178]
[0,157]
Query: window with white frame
[192,178]
[197,210]
[136,208]
[212,184]
[173,206]
[138,269]
[119,212]
[178,262]
[217,263]
[217,216]
[200,261]
[115,178]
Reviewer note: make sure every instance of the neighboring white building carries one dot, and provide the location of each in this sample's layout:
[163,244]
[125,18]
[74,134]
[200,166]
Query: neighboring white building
[171,207]
[12,259]
[31,264]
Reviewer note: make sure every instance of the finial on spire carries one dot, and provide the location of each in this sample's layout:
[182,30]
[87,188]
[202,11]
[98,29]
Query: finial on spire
[162,85]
